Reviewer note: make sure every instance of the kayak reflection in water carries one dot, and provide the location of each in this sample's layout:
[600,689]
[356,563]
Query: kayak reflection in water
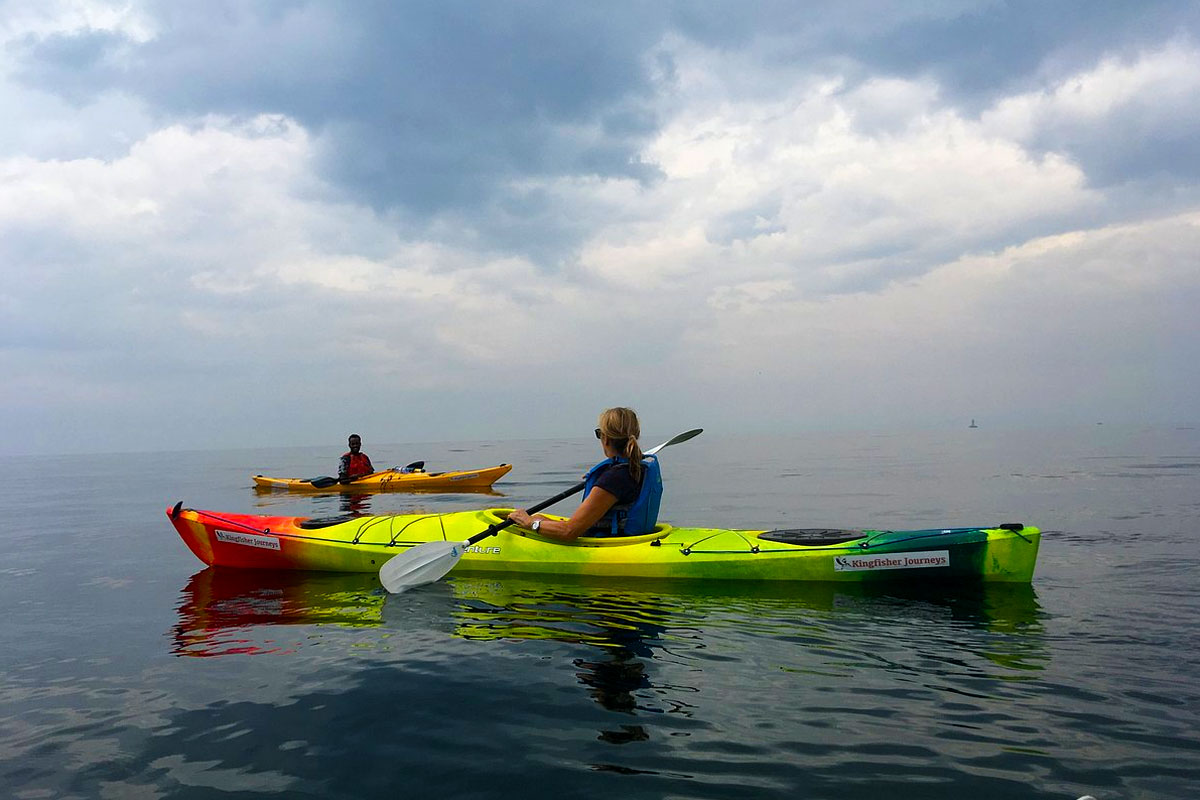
[355,504]
[620,630]
[621,494]
[615,683]
[620,681]
[354,464]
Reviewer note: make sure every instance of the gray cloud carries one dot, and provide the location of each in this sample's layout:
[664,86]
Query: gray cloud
[1159,143]
[426,108]
[420,106]
[468,211]
[979,51]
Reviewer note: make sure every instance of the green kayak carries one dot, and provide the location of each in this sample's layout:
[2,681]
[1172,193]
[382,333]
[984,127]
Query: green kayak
[1003,553]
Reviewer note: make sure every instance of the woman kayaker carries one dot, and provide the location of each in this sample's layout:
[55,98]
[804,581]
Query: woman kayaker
[621,493]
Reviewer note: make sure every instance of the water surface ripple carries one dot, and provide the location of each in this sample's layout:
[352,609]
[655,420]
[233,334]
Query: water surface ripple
[129,670]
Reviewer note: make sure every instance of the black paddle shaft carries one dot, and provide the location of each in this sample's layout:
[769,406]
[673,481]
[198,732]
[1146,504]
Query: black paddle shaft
[499,526]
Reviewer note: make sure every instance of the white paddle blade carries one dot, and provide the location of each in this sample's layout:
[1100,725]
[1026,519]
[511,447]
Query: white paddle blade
[683,437]
[419,565]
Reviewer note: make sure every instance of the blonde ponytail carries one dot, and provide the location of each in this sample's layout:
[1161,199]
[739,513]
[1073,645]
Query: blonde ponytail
[620,426]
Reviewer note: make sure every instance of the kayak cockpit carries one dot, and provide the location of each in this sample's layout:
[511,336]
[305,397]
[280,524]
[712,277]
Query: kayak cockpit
[316,523]
[495,515]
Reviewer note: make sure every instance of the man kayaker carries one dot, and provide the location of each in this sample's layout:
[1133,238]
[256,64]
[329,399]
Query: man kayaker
[620,495]
[354,464]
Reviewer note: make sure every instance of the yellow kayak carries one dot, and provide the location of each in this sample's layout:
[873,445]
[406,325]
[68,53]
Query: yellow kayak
[393,480]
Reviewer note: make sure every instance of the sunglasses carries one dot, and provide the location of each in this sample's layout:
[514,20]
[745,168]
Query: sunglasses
[598,434]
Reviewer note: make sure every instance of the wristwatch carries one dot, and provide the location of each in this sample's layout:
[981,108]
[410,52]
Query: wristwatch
[537,523]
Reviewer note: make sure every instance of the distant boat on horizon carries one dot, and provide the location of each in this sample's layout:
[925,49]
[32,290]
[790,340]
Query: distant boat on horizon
[972,425]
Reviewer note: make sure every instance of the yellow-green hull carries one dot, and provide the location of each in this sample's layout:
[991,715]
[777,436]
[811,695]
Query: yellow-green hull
[364,544]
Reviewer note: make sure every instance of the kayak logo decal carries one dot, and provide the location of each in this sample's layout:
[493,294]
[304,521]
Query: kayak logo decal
[248,539]
[464,477]
[484,551]
[927,558]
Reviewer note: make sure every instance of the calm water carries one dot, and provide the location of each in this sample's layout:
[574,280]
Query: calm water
[129,671]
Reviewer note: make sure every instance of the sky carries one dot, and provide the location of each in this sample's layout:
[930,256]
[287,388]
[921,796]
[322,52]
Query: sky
[250,224]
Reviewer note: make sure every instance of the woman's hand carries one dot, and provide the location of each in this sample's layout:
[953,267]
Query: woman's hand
[521,518]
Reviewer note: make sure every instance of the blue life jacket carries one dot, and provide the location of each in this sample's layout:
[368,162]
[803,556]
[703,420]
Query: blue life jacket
[630,519]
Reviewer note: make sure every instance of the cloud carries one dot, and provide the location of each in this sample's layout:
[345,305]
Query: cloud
[42,122]
[41,19]
[412,106]
[980,52]
[207,247]
[1123,119]
[495,225]
[422,111]
[1069,328]
[801,188]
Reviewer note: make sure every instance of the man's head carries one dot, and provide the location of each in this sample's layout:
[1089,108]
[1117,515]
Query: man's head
[355,442]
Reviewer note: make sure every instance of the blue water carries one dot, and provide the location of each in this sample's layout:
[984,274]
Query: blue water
[129,670]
